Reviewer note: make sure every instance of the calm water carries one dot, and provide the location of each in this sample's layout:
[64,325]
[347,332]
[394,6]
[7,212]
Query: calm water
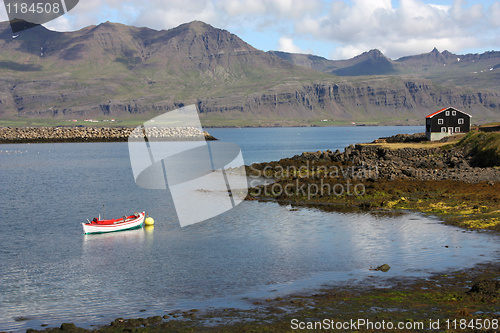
[50,273]
[272,144]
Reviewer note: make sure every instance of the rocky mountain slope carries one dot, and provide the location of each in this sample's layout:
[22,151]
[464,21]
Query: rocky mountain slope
[119,71]
[473,70]
[367,63]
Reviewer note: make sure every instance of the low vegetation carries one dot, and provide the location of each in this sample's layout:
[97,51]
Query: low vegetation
[458,180]
[483,146]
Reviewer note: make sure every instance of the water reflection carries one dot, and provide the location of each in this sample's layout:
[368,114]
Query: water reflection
[93,241]
[246,252]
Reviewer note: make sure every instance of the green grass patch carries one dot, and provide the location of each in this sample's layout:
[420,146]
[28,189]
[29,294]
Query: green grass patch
[50,122]
[484,147]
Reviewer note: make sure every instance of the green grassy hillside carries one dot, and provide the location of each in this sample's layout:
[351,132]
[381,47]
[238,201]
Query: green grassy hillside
[484,147]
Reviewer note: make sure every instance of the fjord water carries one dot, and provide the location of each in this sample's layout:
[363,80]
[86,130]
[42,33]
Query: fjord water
[50,273]
[271,144]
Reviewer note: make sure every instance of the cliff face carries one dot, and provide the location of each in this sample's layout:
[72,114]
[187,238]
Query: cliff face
[114,70]
[403,99]
[367,100]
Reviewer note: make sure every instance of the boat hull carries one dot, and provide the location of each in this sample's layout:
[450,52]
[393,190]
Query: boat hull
[127,224]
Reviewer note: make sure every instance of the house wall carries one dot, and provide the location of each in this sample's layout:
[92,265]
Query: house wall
[436,136]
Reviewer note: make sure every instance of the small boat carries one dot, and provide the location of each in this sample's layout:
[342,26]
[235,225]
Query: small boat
[98,226]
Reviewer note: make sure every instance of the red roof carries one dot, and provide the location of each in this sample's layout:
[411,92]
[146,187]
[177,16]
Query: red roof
[435,113]
[448,108]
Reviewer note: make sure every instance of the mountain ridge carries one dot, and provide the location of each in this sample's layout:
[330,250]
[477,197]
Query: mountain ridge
[427,65]
[120,71]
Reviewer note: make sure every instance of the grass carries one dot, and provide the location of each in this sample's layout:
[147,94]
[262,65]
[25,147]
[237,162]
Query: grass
[416,145]
[33,122]
[211,121]
[206,121]
[484,146]
[490,124]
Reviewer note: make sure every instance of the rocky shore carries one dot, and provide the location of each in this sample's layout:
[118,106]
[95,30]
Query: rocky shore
[458,181]
[410,163]
[89,134]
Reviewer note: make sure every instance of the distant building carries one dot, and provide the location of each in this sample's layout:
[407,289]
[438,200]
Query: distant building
[446,122]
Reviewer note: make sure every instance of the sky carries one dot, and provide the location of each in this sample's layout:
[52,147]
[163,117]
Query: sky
[338,29]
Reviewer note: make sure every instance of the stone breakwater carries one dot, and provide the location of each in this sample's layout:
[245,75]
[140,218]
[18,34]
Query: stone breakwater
[171,134]
[94,134]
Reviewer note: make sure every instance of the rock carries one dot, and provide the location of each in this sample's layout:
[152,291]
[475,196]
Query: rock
[486,287]
[405,163]
[348,151]
[70,327]
[383,268]
[366,205]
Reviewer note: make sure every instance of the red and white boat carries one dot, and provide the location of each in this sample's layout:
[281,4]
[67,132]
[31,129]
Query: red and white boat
[98,226]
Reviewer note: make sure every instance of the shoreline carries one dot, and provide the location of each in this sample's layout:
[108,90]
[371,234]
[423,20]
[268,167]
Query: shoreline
[445,179]
[471,293]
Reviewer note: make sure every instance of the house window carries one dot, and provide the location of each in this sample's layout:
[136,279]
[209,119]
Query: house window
[440,122]
[447,113]
[453,113]
[457,129]
[460,121]
[443,130]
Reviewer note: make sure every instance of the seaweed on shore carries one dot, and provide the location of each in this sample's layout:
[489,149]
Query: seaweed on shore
[438,181]
[469,294]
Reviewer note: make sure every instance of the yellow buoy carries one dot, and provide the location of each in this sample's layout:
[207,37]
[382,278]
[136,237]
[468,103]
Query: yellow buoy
[149,221]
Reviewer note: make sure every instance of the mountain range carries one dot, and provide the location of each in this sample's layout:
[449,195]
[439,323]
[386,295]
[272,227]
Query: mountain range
[117,71]
[472,70]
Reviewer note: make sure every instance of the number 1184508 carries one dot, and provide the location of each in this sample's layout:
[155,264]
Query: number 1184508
[473,324]
[34,8]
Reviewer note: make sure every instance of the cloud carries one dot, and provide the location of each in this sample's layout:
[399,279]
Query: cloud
[243,7]
[274,8]
[157,15]
[59,24]
[169,14]
[286,44]
[494,11]
[413,26]
[337,28]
